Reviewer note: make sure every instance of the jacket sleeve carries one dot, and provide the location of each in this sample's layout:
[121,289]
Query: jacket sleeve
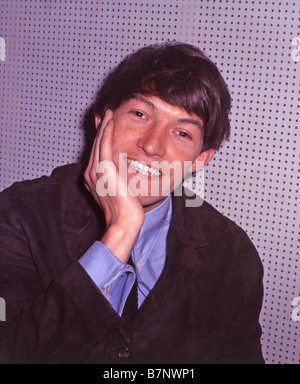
[63,320]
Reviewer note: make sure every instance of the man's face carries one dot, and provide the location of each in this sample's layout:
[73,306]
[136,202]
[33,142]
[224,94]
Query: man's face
[150,131]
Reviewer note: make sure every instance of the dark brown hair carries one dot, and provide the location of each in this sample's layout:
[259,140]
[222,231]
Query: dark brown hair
[181,75]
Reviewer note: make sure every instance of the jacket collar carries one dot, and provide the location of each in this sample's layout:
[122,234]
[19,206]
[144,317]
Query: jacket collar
[84,222]
[79,208]
[187,222]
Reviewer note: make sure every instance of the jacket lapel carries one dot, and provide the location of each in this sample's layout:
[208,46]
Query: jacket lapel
[185,239]
[83,221]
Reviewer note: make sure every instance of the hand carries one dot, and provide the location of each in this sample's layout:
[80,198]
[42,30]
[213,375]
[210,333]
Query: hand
[123,212]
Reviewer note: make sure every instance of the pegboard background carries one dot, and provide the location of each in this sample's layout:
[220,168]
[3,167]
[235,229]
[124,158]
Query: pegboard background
[57,54]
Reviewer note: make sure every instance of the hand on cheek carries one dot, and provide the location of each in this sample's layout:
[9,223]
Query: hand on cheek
[123,212]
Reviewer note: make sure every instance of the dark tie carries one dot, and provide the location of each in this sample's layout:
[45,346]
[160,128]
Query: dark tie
[131,305]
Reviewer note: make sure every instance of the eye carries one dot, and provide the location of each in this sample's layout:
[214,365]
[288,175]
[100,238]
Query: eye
[138,114]
[183,134]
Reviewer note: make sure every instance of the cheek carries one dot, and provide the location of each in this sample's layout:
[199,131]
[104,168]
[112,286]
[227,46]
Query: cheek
[185,161]
[122,130]
[123,141]
[184,155]
[119,135]
[118,129]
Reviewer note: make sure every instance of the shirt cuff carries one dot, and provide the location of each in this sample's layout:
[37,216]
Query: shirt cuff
[107,271]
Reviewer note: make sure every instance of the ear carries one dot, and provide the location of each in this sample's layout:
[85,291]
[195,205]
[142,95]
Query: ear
[203,159]
[97,121]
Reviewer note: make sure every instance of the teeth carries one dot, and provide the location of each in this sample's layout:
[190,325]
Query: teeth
[143,168]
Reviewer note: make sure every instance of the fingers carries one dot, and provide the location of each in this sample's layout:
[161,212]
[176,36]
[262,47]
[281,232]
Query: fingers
[96,156]
[106,142]
[97,149]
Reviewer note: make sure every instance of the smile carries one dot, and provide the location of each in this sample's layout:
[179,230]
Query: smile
[143,168]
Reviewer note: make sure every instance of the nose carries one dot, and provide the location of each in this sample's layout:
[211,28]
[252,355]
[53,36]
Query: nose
[153,141]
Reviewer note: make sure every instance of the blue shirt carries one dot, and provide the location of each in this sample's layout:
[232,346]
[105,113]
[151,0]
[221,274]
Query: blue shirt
[148,256]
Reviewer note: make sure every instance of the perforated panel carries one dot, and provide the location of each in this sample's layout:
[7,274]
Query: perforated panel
[58,52]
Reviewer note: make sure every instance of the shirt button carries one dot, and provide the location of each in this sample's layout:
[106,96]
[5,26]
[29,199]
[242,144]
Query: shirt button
[140,264]
[123,352]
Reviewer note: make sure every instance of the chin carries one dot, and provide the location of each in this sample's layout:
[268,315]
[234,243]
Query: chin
[150,202]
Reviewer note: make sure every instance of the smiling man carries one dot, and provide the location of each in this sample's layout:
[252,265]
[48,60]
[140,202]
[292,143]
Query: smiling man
[159,136]
[104,262]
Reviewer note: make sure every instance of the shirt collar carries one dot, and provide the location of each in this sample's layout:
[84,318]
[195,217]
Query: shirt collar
[155,221]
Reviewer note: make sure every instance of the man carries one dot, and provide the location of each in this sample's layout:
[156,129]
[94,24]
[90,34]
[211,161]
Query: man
[126,272]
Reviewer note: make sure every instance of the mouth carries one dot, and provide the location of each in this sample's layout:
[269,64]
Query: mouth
[144,169]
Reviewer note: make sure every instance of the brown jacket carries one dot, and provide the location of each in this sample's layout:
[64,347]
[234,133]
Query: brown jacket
[204,308]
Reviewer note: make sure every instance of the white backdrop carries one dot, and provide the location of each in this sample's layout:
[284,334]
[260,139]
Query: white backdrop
[54,55]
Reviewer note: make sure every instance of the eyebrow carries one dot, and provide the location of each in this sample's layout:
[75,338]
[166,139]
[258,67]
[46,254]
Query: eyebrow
[191,121]
[182,121]
[145,101]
